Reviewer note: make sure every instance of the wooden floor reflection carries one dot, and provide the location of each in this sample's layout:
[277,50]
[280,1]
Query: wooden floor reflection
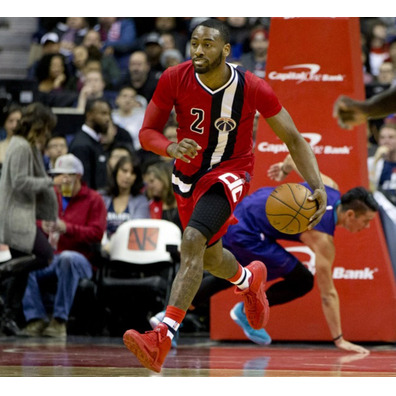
[195,357]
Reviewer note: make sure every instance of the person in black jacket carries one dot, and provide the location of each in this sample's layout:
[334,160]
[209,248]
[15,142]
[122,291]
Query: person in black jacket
[87,144]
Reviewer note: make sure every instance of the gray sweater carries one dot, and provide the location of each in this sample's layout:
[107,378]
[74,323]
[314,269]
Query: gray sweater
[26,194]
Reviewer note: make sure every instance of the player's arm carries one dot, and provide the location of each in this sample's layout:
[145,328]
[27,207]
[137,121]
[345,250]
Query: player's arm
[304,158]
[323,246]
[280,170]
[350,112]
[152,139]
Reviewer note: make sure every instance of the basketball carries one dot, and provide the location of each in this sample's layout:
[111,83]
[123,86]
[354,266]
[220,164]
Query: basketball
[288,208]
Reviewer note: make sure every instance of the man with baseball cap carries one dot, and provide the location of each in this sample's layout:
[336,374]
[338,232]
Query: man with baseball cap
[81,223]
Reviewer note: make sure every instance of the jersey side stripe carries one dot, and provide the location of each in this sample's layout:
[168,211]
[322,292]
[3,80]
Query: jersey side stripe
[225,112]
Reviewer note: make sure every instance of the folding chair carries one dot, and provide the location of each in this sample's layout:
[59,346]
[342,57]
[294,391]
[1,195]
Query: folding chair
[143,258]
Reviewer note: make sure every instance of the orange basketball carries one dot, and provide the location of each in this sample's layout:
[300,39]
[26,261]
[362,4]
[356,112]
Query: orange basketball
[288,209]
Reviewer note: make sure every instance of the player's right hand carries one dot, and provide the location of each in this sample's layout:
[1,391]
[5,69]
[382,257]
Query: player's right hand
[184,150]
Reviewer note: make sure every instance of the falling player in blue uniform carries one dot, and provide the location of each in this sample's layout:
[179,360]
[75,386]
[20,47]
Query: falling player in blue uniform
[253,238]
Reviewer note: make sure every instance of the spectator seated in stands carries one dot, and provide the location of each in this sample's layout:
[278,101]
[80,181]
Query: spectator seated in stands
[159,190]
[256,60]
[10,117]
[55,147]
[123,196]
[52,76]
[110,69]
[119,38]
[71,33]
[153,49]
[129,113]
[240,32]
[169,26]
[139,75]
[49,44]
[118,150]
[78,62]
[80,225]
[382,165]
[94,87]
[171,57]
[87,146]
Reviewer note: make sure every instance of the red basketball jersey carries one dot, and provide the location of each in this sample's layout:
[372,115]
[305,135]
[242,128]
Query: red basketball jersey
[220,121]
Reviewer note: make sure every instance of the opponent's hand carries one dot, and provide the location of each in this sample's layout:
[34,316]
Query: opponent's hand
[184,149]
[321,197]
[275,172]
[348,346]
[348,112]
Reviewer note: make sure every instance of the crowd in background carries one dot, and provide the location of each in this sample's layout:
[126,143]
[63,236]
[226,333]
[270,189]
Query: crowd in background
[107,69]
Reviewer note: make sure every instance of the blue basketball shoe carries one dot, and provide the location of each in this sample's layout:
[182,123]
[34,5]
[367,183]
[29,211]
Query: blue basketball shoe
[260,336]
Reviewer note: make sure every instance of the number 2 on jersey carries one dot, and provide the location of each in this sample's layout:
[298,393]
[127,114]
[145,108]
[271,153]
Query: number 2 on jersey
[196,125]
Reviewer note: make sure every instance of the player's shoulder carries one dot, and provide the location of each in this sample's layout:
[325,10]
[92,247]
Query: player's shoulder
[247,74]
[180,69]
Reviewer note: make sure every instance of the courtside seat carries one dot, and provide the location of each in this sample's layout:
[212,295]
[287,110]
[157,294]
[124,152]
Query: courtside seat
[136,280]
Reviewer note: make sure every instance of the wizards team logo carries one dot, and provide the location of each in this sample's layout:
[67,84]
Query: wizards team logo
[225,124]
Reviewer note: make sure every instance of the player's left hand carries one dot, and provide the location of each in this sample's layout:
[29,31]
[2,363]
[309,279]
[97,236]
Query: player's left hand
[321,198]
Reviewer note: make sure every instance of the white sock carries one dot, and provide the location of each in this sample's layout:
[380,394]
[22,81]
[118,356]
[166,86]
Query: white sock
[173,326]
[242,282]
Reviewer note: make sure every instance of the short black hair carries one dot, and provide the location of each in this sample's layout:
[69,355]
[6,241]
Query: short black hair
[359,200]
[92,102]
[218,25]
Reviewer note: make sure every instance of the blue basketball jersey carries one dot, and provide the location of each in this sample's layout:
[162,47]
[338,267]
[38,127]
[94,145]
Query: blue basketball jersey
[254,238]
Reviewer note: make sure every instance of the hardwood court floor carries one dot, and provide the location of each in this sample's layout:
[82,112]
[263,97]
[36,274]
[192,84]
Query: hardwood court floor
[195,357]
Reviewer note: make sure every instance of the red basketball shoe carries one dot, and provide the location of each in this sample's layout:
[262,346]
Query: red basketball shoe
[151,347]
[256,303]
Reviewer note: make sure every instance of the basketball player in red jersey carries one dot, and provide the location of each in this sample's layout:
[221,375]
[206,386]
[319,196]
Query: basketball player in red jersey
[215,104]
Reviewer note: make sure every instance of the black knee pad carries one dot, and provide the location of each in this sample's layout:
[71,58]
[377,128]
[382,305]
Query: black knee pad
[211,211]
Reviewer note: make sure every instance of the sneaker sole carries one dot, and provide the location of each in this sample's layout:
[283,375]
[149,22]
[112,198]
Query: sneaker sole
[133,342]
[256,340]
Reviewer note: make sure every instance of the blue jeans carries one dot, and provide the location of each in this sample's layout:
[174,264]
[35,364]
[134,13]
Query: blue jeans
[67,268]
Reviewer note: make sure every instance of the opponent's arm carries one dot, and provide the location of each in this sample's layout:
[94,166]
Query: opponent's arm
[304,158]
[280,170]
[323,246]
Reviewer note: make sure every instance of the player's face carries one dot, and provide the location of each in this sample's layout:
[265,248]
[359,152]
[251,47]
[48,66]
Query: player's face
[358,222]
[208,50]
